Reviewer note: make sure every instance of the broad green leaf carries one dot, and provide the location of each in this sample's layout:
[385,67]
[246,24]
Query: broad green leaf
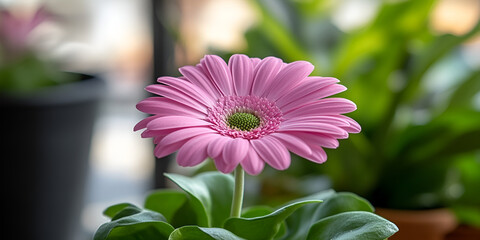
[114,209]
[195,232]
[211,196]
[259,211]
[175,206]
[299,223]
[134,223]
[264,227]
[256,211]
[352,225]
[343,202]
[128,211]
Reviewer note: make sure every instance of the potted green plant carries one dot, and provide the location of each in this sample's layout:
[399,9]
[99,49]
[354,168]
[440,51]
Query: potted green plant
[243,115]
[47,124]
[415,141]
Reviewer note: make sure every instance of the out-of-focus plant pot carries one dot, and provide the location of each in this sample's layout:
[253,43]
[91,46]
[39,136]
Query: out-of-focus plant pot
[432,224]
[46,138]
[464,232]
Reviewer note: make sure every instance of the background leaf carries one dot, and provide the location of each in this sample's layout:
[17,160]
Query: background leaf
[352,225]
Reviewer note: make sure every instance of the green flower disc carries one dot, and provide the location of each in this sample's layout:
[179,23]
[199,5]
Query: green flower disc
[243,121]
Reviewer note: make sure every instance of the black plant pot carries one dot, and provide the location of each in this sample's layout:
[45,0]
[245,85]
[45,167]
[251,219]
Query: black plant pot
[46,139]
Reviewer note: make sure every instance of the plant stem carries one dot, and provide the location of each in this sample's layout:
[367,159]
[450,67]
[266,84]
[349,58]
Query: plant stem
[237,201]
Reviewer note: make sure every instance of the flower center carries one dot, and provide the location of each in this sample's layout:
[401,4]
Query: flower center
[248,117]
[243,121]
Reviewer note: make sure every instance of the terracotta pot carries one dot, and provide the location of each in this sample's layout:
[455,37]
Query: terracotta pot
[420,224]
[464,232]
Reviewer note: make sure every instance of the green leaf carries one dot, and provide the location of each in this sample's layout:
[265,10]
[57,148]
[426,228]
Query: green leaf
[450,134]
[465,92]
[436,50]
[264,227]
[256,211]
[280,37]
[195,232]
[352,225]
[211,196]
[114,209]
[175,206]
[299,223]
[343,202]
[134,223]
[468,215]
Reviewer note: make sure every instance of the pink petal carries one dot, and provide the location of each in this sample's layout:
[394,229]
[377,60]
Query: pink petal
[215,148]
[173,122]
[194,151]
[292,74]
[242,74]
[188,89]
[264,73]
[156,133]
[305,89]
[330,90]
[162,151]
[157,139]
[252,164]
[313,127]
[173,94]
[318,155]
[185,133]
[198,78]
[319,139]
[316,95]
[334,120]
[293,143]
[165,107]
[221,164]
[353,127]
[219,72]
[174,140]
[272,151]
[255,61]
[310,88]
[143,123]
[327,106]
[235,152]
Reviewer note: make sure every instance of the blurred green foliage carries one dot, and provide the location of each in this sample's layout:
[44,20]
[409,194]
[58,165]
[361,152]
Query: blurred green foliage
[399,160]
[22,69]
[29,73]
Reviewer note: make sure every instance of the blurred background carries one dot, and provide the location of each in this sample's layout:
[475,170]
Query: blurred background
[412,67]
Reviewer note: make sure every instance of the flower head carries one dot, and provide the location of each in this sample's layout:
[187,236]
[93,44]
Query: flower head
[250,112]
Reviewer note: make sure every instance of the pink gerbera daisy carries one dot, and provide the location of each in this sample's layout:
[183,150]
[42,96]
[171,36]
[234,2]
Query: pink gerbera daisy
[249,112]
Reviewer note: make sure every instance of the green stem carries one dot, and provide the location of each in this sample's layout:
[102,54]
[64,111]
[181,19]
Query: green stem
[238,192]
